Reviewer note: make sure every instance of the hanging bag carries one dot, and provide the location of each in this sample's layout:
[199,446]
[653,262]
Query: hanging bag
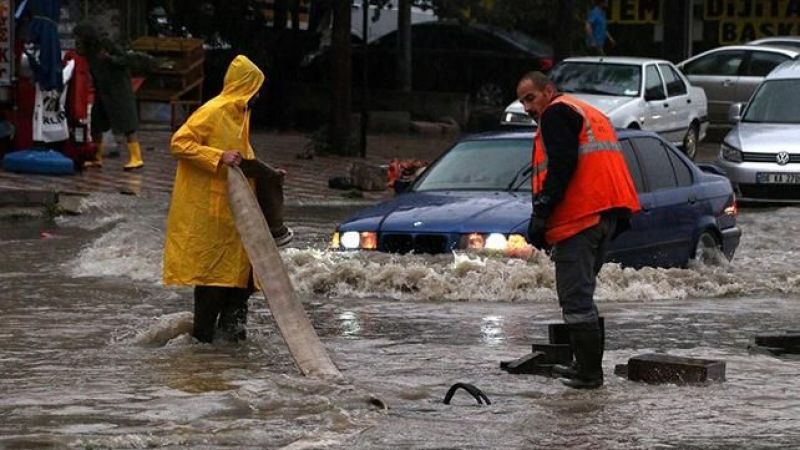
[49,113]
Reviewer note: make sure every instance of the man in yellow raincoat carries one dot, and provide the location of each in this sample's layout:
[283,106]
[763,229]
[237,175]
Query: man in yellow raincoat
[202,247]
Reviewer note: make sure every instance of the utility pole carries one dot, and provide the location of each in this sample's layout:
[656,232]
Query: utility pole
[404,43]
[365,78]
[341,80]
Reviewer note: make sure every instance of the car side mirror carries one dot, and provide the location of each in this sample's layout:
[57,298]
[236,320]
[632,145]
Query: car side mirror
[735,112]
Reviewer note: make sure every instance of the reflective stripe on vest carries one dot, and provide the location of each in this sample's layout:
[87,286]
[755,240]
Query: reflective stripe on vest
[602,183]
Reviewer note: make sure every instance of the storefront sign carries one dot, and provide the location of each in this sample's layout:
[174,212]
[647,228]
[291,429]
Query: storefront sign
[6,43]
[634,11]
[745,20]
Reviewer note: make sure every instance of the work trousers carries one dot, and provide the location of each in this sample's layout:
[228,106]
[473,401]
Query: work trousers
[578,260]
[218,308]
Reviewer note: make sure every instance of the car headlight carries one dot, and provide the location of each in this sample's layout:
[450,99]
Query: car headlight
[512,118]
[354,240]
[496,241]
[492,241]
[730,153]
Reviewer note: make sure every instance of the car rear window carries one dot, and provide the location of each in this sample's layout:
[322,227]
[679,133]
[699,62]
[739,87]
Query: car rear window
[682,171]
[656,165]
[633,164]
[762,63]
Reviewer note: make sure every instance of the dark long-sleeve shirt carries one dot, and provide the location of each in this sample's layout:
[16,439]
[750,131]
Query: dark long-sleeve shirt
[560,126]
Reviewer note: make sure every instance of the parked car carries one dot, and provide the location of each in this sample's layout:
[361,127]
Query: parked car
[730,74]
[761,154]
[792,42]
[643,93]
[449,57]
[477,196]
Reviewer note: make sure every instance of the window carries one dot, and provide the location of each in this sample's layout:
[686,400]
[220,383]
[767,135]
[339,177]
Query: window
[762,63]
[775,101]
[720,63]
[675,85]
[682,172]
[598,78]
[653,86]
[656,165]
[633,164]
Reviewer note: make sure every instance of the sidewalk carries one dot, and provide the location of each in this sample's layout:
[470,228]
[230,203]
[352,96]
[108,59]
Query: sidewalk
[306,182]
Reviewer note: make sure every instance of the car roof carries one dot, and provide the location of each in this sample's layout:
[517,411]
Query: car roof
[775,39]
[786,70]
[792,53]
[615,59]
[622,133]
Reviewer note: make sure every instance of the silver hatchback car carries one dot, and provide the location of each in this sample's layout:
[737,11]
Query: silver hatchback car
[761,154]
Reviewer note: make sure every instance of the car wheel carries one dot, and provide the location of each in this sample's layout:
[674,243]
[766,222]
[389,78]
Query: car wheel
[489,94]
[707,250]
[690,142]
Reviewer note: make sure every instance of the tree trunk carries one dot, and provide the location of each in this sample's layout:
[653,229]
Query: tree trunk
[280,14]
[404,44]
[565,24]
[341,80]
[295,10]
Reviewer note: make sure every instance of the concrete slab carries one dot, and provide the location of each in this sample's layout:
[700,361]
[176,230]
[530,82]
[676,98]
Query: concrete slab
[662,368]
[530,364]
[553,353]
[27,197]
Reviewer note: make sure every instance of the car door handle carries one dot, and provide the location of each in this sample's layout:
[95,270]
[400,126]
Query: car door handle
[666,105]
[692,199]
[726,83]
[688,100]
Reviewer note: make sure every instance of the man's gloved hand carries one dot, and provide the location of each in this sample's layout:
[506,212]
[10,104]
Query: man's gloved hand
[536,229]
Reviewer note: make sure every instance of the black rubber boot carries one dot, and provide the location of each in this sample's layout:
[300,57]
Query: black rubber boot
[207,301]
[233,317]
[588,343]
[571,370]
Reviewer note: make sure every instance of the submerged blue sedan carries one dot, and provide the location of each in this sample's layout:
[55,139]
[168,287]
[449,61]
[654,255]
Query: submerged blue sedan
[476,196]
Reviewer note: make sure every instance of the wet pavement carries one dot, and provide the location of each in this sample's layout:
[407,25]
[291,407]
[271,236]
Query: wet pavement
[306,182]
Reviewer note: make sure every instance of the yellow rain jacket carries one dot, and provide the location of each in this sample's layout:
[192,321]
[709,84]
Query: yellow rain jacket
[202,246]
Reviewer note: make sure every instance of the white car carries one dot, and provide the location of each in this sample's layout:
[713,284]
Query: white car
[639,93]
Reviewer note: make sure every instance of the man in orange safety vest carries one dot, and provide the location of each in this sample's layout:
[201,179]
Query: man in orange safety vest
[583,196]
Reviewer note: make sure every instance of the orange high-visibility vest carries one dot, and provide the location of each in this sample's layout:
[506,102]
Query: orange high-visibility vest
[601,180]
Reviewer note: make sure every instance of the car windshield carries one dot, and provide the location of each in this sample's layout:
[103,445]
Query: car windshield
[776,101]
[479,165]
[597,78]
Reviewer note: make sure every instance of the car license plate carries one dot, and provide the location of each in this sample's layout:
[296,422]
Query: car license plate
[778,178]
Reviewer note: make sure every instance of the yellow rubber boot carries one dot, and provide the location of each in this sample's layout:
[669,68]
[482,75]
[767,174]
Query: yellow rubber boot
[98,157]
[135,160]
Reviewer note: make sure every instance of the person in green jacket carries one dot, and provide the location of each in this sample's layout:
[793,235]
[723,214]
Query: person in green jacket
[114,105]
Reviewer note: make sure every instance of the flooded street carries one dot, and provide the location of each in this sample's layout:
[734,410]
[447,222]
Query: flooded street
[86,359]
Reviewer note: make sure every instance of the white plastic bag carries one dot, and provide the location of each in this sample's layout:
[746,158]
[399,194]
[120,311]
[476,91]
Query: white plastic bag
[49,113]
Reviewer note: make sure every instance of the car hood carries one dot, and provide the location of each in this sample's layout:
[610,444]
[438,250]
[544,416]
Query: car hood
[765,138]
[445,212]
[605,103]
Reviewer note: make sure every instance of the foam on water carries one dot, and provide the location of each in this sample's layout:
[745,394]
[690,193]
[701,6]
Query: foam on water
[166,330]
[765,263]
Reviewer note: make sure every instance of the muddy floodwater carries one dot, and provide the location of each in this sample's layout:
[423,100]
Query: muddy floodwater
[94,352]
